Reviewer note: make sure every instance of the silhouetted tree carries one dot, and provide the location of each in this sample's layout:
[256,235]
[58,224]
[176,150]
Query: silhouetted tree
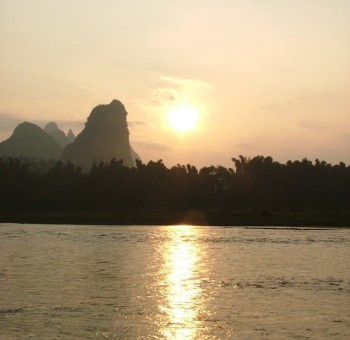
[258,182]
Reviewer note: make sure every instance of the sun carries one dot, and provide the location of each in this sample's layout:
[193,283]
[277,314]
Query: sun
[183,118]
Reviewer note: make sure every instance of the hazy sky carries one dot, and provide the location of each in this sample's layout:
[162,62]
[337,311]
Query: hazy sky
[270,77]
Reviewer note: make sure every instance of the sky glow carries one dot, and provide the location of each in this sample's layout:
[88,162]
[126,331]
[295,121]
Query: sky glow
[268,77]
[183,118]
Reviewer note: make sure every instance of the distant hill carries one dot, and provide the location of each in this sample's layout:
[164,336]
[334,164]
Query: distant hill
[70,136]
[104,137]
[29,140]
[58,135]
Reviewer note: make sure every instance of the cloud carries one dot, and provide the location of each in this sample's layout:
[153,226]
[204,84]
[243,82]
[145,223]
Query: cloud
[246,145]
[182,88]
[173,90]
[153,146]
[162,94]
[188,83]
[314,126]
[137,122]
[326,128]
[277,103]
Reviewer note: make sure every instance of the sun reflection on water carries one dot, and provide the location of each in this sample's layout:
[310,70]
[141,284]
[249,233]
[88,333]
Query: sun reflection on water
[182,290]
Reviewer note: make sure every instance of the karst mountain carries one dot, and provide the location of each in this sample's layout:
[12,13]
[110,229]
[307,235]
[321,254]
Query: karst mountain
[58,135]
[105,136]
[30,141]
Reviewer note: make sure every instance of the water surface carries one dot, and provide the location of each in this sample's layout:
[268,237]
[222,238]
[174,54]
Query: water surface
[174,282]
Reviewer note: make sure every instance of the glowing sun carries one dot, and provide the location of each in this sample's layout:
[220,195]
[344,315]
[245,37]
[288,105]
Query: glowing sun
[183,118]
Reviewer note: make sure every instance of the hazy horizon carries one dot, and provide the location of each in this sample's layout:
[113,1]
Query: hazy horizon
[268,77]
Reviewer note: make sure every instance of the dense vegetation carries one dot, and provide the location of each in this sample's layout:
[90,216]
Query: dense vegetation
[258,182]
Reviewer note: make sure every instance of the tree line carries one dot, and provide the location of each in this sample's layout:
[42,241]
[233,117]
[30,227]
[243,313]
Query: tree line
[258,182]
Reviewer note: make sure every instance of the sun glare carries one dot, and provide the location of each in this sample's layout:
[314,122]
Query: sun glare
[183,118]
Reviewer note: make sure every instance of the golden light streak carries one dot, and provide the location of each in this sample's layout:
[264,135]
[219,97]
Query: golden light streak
[183,291]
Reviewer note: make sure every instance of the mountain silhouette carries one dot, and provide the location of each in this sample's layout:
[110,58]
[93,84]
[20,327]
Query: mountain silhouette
[70,136]
[58,135]
[105,136]
[29,140]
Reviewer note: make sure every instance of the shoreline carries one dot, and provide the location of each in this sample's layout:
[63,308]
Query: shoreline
[209,217]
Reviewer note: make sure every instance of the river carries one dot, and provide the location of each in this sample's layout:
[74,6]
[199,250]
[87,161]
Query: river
[173,282]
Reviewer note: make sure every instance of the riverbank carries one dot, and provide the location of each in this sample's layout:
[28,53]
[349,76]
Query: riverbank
[308,218]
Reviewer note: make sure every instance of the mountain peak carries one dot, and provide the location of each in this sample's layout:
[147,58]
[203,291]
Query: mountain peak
[58,135]
[116,102]
[70,136]
[29,140]
[52,126]
[26,127]
[104,137]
